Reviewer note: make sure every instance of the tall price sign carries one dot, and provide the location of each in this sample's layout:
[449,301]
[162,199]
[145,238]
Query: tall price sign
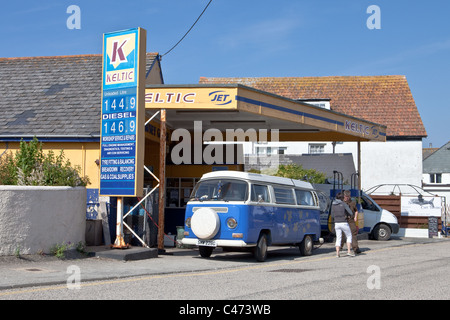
[123,113]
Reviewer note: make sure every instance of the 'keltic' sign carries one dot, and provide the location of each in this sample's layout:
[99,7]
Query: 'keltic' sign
[123,113]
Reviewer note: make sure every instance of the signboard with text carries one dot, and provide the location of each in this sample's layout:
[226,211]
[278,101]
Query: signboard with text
[123,113]
[190,97]
[421,206]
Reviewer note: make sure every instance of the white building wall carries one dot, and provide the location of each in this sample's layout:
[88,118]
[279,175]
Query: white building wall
[391,162]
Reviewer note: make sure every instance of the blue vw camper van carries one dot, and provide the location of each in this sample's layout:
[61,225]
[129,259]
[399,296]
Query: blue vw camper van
[232,209]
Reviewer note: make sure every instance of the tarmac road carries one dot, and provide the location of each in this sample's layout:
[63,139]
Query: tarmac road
[399,269]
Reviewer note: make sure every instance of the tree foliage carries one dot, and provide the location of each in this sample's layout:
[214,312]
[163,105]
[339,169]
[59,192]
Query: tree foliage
[295,171]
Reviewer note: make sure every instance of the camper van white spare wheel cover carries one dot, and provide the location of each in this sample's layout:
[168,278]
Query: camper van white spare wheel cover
[205,223]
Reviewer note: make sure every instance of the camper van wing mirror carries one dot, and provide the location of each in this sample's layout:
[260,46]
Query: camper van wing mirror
[260,198]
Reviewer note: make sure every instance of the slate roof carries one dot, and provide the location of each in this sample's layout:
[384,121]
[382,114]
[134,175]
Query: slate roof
[426,152]
[52,97]
[439,161]
[385,100]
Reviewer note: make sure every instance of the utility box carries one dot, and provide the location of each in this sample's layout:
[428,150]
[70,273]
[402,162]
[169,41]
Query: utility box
[169,240]
[94,232]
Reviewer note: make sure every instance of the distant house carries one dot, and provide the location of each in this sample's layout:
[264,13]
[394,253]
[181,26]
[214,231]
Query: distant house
[436,173]
[386,100]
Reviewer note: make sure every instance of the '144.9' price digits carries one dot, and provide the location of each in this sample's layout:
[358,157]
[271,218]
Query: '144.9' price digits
[119,104]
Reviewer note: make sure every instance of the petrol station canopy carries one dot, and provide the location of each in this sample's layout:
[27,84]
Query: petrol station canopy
[235,106]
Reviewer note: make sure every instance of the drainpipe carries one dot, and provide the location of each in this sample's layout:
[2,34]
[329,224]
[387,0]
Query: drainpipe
[162,180]
[359,165]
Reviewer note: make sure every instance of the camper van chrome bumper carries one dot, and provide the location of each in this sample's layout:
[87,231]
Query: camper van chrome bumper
[217,243]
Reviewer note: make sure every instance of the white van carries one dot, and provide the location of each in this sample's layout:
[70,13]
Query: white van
[378,222]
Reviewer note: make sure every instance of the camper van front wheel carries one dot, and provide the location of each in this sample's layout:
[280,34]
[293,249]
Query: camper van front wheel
[306,246]
[205,252]
[261,248]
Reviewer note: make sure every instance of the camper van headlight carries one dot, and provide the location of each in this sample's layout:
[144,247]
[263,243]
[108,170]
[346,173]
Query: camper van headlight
[188,222]
[231,223]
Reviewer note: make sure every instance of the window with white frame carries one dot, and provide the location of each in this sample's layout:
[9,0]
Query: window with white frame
[435,178]
[314,148]
[265,150]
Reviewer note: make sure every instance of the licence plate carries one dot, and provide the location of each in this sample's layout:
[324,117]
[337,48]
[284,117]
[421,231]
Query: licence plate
[207,243]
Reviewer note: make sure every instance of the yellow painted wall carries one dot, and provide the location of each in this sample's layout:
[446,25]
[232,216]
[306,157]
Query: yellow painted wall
[83,154]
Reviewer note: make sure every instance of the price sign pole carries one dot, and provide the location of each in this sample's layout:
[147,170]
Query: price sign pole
[123,119]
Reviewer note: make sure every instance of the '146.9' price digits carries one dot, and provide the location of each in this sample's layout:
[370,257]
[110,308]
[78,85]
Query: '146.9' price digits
[127,126]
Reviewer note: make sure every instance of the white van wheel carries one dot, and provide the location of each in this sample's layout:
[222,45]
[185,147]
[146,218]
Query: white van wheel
[205,223]
[382,232]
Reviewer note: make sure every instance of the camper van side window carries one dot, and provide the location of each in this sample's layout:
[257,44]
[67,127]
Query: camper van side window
[304,198]
[260,193]
[284,196]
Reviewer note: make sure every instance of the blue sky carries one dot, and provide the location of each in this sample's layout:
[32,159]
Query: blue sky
[257,38]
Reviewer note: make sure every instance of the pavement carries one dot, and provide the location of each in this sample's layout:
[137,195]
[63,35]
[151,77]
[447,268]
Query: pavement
[105,263]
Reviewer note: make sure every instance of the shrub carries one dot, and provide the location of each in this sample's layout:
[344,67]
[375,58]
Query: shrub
[31,167]
[8,170]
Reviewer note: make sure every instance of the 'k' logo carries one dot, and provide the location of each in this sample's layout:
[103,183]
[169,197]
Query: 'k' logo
[117,52]
[120,58]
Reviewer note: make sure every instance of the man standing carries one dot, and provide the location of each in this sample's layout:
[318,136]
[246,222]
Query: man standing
[352,221]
